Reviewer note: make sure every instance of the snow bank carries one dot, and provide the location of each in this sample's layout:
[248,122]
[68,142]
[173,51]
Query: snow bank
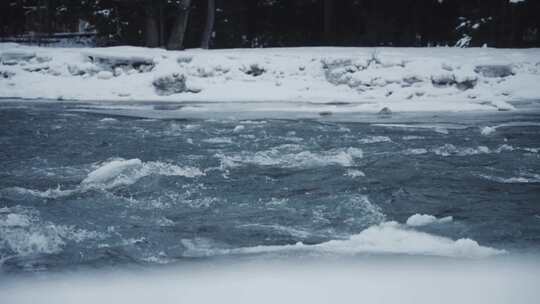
[327,79]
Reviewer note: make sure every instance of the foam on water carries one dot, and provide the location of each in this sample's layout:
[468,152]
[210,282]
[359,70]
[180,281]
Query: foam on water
[108,119]
[449,149]
[438,128]
[114,173]
[279,229]
[218,140]
[239,128]
[487,131]
[289,156]
[417,151]
[375,139]
[120,172]
[528,178]
[412,137]
[354,173]
[24,233]
[490,130]
[52,193]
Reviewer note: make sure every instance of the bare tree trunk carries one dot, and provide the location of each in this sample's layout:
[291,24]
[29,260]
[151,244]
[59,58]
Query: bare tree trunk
[329,22]
[178,31]
[209,27]
[161,24]
[151,30]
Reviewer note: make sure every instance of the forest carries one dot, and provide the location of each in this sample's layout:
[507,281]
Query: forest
[179,24]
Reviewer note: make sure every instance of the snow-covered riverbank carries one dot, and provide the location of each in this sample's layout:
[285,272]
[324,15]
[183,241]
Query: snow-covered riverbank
[334,79]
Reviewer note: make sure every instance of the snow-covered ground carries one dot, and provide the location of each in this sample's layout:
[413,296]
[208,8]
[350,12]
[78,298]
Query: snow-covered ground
[293,79]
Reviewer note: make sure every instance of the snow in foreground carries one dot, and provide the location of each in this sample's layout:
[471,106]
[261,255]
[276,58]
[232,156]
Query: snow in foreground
[318,79]
[373,280]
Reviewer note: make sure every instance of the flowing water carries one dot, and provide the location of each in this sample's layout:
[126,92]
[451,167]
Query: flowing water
[98,187]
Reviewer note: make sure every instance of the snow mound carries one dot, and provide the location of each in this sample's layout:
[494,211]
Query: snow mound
[494,71]
[171,84]
[110,61]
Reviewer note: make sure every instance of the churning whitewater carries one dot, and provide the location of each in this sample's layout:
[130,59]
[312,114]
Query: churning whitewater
[81,188]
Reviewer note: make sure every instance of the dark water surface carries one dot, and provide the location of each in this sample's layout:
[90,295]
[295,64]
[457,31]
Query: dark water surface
[97,186]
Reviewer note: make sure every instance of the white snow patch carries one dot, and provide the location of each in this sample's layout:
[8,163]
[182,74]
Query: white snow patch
[310,79]
[105,75]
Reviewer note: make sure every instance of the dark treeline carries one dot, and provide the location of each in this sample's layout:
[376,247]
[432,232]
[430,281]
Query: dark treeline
[177,24]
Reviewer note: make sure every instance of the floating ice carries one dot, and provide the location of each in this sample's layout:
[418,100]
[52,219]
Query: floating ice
[119,172]
[113,171]
[418,220]
[391,237]
[385,238]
